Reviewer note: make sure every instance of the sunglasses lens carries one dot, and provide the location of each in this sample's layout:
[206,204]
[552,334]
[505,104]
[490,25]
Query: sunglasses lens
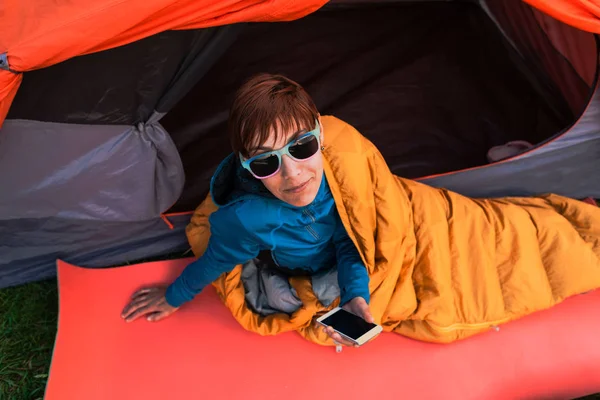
[265,166]
[305,148]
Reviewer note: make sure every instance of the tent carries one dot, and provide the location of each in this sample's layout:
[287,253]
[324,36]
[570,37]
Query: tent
[114,112]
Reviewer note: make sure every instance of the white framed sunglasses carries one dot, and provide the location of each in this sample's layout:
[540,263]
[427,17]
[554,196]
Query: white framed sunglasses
[267,164]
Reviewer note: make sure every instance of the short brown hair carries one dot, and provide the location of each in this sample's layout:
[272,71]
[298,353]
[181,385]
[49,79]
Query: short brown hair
[263,103]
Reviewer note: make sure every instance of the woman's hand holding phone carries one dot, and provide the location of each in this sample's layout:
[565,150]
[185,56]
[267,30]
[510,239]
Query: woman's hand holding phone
[357,306]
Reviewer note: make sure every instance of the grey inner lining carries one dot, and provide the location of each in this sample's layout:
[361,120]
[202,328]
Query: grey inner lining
[268,290]
[93,172]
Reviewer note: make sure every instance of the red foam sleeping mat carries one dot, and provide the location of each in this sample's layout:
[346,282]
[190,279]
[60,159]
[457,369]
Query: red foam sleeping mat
[201,352]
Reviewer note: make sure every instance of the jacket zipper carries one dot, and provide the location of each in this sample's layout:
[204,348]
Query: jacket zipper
[312,231]
[309,228]
[312,218]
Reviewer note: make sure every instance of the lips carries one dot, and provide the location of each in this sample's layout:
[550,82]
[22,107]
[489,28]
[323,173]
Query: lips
[299,188]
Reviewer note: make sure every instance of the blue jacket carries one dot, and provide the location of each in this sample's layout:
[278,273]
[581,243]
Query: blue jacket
[250,219]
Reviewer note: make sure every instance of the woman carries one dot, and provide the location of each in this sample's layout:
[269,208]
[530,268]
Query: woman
[282,205]
[423,262]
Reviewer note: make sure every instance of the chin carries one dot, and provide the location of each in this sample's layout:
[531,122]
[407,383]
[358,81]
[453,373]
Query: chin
[302,199]
[300,202]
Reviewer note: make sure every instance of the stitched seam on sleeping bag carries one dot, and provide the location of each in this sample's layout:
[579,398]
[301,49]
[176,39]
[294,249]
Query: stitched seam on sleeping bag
[537,236]
[496,224]
[458,309]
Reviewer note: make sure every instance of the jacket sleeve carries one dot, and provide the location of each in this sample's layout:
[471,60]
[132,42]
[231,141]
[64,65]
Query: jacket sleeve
[353,277]
[230,244]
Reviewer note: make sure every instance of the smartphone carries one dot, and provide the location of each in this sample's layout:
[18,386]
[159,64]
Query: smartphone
[350,326]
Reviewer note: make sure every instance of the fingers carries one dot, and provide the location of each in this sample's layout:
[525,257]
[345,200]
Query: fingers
[138,298]
[134,305]
[359,306]
[157,316]
[338,338]
[141,292]
[366,314]
[137,307]
[150,302]
[137,313]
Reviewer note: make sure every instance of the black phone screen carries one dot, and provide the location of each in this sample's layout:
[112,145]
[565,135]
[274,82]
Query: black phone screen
[349,324]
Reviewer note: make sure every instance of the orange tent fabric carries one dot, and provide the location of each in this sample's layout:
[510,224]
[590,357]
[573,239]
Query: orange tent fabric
[582,14]
[37,34]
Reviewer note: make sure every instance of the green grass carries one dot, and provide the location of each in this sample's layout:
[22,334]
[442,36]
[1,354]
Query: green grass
[28,316]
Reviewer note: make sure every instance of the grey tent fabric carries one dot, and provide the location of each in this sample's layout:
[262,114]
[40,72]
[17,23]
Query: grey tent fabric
[108,173]
[29,247]
[567,165]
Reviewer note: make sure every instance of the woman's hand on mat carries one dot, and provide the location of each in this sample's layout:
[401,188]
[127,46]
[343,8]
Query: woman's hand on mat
[357,306]
[150,302]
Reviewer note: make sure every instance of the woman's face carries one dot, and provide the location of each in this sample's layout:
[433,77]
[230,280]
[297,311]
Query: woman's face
[297,182]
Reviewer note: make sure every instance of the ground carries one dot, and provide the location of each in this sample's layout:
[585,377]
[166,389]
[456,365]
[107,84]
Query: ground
[27,330]
[28,316]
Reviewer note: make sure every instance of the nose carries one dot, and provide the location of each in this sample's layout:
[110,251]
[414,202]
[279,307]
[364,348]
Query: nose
[289,167]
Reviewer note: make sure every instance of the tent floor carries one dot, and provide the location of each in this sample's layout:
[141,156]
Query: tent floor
[434,86]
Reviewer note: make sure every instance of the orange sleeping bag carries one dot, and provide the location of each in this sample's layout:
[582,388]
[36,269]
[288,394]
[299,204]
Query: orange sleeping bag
[442,266]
